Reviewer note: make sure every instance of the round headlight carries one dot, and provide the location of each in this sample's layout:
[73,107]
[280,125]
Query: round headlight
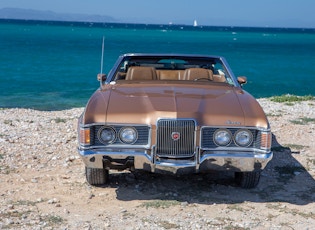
[128,135]
[243,138]
[106,135]
[222,137]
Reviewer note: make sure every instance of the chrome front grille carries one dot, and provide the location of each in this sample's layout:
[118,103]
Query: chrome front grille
[175,138]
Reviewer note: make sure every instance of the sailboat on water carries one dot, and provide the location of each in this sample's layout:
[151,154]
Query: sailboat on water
[195,23]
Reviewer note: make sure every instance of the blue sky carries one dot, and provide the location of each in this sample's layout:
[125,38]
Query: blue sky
[262,13]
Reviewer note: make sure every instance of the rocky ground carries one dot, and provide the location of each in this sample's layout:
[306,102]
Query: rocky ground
[43,186]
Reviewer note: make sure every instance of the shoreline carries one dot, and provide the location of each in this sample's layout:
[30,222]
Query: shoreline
[287,98]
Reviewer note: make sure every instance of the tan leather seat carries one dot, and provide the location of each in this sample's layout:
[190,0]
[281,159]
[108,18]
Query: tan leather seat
[170,74]
[219,78]
[141,73]
[198,73]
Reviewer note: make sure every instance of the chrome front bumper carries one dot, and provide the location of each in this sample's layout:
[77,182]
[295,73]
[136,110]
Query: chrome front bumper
[201,162]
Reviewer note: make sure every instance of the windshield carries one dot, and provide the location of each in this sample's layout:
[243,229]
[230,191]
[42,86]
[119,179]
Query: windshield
[177,68]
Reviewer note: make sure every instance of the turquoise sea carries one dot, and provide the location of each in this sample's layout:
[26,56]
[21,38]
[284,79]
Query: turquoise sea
[53,65]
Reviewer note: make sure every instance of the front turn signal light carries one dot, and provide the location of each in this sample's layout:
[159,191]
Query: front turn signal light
[266,140]
[85,138]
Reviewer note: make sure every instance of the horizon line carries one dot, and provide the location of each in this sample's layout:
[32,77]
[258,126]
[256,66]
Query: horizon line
[154,24]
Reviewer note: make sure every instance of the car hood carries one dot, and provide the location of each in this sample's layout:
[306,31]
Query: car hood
[146,103]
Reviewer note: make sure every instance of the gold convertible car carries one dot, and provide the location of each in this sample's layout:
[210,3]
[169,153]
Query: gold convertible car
[173,113]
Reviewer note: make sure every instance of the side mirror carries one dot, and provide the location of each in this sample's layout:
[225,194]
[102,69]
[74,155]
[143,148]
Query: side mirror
[242,80]
[101,77]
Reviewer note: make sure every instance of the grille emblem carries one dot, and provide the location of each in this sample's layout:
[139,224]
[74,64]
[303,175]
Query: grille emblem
[175,136]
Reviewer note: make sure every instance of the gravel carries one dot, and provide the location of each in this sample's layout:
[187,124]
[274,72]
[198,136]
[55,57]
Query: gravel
[43,184]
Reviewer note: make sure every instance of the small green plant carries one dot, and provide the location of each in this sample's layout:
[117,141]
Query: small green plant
[60,120]
[53,219]
[8,122]
[303,214]
[288,98]
[236,208]
[275,206]
[273,115]
[168,225]
[303,121]
[5,169]
[25,202]
[160,204]
[296,147]
[271,216]
[17,214]
[288,147]
[311,161]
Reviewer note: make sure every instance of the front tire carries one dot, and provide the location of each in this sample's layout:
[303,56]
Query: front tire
[247,179]
[96,176]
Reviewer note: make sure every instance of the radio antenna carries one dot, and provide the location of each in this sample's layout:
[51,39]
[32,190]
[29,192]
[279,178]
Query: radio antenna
[102,58]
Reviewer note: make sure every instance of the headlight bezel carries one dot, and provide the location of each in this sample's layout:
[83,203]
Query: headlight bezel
[110,140]
[128,131]
[238,134]
[220,132]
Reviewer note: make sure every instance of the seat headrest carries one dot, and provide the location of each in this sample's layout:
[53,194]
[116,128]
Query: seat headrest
[197,73]
[141,73]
